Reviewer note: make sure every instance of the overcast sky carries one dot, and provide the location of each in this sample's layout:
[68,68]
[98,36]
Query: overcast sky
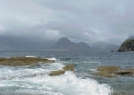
[79,20]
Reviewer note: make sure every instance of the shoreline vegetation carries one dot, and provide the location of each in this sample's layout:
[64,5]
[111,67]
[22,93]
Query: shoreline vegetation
[127,45]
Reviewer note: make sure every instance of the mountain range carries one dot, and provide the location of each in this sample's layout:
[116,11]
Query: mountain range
[12,43]
[64,44]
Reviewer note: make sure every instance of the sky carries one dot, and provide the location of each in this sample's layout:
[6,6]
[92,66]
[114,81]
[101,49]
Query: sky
[90,21]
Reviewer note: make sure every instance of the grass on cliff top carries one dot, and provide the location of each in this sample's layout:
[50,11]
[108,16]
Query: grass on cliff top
[128,43]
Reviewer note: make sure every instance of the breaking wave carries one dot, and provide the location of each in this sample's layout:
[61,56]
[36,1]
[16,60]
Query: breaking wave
[13,82]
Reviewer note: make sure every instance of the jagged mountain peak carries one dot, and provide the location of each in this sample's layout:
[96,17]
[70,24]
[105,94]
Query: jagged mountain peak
[63,39]
[64,44]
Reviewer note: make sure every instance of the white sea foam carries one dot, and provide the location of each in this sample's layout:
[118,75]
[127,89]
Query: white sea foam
[9,72]
[53,58]
[66,84]
[93,70]
[95,62]
[31,56]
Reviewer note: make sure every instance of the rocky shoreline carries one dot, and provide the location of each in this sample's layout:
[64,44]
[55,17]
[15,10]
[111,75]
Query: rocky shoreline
[102,71]
[23,61]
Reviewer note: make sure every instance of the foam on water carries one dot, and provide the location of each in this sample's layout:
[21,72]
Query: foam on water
[8,72]
[93,70]
[31,56]
[67,84]
[53,58]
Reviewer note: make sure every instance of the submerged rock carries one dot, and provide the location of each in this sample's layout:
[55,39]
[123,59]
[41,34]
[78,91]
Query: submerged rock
[22,61]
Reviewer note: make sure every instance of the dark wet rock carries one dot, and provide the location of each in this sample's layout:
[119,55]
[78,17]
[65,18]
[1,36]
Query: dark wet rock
[122,72]
[127,45]
[108,68]
[22,61]
[69,67]
[56,73]
[125,72]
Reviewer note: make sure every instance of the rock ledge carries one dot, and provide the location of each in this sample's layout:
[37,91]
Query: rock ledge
[22,61]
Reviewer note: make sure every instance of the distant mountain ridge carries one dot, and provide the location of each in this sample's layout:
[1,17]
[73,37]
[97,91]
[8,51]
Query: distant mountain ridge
[64,44]
[14,43]
[103,46]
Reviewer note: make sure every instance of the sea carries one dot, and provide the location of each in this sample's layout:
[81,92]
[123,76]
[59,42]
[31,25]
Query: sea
[81,82]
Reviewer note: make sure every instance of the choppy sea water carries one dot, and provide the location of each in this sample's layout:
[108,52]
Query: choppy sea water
[17,80]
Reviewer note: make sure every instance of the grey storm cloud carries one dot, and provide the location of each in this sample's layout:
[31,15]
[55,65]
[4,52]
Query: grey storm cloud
[88,20]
